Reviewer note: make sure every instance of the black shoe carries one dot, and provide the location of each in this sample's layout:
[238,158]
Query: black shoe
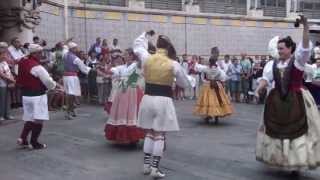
[38,146]
[207,120]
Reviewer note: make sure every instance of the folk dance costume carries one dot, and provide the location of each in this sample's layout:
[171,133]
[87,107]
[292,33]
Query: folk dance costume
[213,100]
[289,135]
[34,80]
[312,76]
[157,113]
[71,82]
[121,126]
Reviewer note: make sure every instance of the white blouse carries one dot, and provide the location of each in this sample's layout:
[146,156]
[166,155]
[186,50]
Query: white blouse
[302,55]
[213,73]
[140,48]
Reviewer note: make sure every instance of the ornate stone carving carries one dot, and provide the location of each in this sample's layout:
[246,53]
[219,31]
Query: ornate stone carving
[21,13]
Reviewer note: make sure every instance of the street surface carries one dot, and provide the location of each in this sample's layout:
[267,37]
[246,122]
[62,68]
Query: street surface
[77,150]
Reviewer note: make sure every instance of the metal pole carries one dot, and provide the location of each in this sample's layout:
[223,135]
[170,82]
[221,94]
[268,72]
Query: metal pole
[85,25]
[66,20]
[185,36]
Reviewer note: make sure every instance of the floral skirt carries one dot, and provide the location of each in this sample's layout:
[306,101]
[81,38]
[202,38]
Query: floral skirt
[122,123]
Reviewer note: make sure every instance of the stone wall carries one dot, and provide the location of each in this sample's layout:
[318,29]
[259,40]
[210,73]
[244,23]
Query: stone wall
[191,34]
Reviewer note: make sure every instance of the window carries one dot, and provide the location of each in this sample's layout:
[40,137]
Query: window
[164,4]
[271,2]
[282,3]
[224,6]
[307,5]
[310,9]
[106,2]
[274,8]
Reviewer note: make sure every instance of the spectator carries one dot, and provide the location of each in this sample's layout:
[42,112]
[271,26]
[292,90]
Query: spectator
[83,77]
[6,81]
[92,84]
[58,63]
[16,54]
[96,48]
[246,66]
[115,49]
[36,40]
[105,49]
[234,73]
[103,83]
[224,66]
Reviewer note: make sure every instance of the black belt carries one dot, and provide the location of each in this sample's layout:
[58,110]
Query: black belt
[158,90]
[26,92]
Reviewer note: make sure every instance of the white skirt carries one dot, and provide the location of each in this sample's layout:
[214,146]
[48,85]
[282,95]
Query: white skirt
[72,85]
[157,113]
[35,108]
[300,153]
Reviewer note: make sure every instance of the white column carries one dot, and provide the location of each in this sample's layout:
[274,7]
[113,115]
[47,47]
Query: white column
[292,9]
[254,8]
[66,20]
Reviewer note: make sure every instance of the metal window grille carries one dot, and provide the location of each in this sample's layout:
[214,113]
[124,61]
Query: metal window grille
[106,2]
[175,5]
[310,8]
[275,8]
[223,6]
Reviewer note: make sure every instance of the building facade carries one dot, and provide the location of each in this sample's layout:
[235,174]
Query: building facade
[235,26]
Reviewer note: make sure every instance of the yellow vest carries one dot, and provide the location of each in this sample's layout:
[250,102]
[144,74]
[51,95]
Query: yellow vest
[158,69]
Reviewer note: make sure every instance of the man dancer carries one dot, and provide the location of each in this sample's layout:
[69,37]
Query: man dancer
[157,113]
[34,80]
[71,83]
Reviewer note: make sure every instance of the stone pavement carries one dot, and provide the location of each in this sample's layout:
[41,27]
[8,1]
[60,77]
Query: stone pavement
[78,151]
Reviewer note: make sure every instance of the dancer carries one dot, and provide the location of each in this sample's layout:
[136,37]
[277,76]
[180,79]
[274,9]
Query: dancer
[213,100]
[289,135]
[71,82]
[157,114]
[34,80]
[121,125]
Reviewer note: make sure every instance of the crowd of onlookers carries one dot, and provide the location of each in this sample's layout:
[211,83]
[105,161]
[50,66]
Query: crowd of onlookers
[242,73]
[94,87]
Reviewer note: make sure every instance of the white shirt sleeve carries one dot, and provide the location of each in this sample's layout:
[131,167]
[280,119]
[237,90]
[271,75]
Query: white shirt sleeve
[41,73]
[268,72]
[302,56]
[116,71]
[200,67]
[140,47]
[82,67]
[181,76]
[309,72]
[222,75]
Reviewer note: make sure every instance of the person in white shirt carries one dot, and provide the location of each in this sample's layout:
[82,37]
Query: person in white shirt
[34,81]
[6,80]
[289,134]
[16,53]
[224,66]
[71,82]
[157,113]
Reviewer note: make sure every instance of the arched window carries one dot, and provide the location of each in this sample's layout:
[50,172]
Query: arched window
[175,5]
[223,6]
